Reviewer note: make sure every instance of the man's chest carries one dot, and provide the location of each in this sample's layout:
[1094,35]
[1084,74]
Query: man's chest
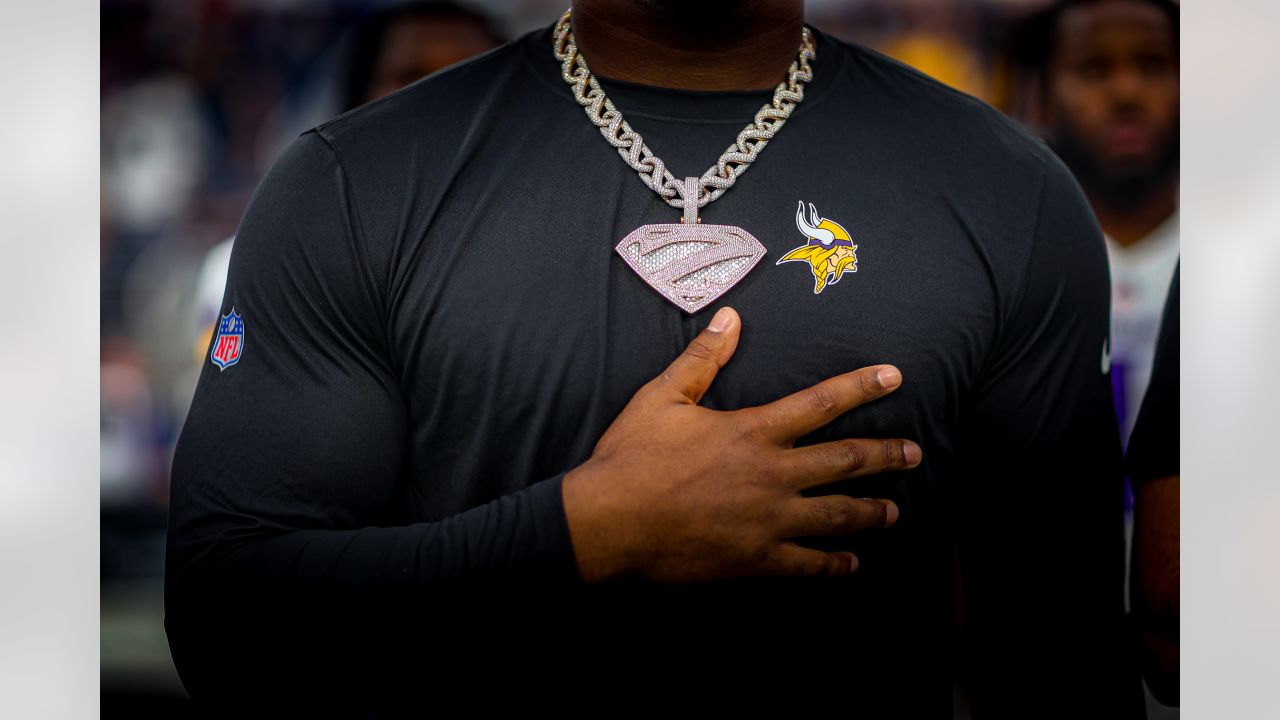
[523,332]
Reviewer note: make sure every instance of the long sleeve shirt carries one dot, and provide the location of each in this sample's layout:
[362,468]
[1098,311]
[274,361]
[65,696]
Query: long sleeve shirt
[427,325]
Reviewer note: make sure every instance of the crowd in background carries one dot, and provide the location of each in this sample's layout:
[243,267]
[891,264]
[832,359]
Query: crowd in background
[199,98]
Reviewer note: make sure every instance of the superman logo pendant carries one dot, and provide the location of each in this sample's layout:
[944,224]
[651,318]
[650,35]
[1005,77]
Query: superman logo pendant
[691,264]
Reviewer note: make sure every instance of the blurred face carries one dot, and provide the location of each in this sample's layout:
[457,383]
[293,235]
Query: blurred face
[416,48]
[1113,93]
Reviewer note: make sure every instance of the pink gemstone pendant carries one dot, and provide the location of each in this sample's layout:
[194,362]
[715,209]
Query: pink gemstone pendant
[689,263]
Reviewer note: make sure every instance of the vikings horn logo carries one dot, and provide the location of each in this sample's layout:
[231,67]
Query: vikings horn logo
[829,252]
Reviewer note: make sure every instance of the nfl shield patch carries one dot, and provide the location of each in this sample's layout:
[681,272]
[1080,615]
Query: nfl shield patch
[229,342]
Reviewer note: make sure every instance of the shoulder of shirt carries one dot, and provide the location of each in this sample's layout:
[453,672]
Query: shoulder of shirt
[1017,178]
[959,111]
[449,90]
[969,127]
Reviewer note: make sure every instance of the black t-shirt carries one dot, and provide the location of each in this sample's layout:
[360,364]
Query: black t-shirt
[1154,447]
[436,327]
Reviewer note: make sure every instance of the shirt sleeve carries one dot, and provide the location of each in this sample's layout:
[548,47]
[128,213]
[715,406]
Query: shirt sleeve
[1154,446]
[1039,497]
[286,543]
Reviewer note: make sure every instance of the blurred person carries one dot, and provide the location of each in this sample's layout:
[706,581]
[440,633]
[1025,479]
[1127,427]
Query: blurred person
[1108,97]
[153,145]
[397,45]
[455,441]
[937,37]
[128,458]
[1153,464]
[944,57]
[1109,107]
[937,40]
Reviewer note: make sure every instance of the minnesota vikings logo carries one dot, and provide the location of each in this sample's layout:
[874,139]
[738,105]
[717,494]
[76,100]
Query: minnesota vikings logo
[829,252]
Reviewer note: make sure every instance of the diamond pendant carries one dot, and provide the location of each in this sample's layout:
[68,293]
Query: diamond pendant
[689,263]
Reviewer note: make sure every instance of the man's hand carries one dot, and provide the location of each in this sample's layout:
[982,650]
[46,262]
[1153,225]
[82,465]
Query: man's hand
[678,492]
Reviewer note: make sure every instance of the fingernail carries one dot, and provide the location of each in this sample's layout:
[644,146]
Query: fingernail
[890,510]
[853,563]
[911,452]
[889,377]
[721,321]
[890,513]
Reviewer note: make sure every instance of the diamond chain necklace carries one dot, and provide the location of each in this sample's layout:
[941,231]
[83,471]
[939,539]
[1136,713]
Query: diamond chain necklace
[690,264]
[653,171]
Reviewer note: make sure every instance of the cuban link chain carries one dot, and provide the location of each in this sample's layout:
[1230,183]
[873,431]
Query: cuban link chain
[735,160]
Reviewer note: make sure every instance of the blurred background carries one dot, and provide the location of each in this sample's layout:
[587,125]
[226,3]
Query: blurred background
[199,97]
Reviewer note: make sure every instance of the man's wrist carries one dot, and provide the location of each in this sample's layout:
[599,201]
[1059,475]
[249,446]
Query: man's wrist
[600,527]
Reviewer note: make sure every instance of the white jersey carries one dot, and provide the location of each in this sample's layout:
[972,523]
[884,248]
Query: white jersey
[1140,277]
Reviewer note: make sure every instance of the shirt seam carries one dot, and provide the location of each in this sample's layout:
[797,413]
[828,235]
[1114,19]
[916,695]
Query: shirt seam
[1008,314]
[370,272]
[1020,291]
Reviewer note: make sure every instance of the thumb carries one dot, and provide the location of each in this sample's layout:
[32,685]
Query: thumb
[687,378]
